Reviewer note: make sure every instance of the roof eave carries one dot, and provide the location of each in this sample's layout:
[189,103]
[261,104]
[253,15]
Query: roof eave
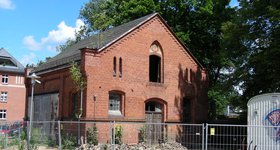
[126,33]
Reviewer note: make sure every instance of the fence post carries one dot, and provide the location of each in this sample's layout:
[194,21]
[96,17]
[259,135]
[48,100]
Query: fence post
[114,136]
[28,133]
[206,136]
[59,135]
[203,142]
[79,132]
[19,131]
[5,132]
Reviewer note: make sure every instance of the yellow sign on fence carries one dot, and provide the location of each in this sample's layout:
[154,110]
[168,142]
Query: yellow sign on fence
[212,131]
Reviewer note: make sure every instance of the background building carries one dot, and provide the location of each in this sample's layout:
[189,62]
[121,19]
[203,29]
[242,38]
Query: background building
[12,88]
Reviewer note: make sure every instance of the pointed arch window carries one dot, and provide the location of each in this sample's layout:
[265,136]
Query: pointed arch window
[155,63]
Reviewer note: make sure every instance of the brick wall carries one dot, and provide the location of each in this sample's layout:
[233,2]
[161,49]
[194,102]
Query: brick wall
[134,83]
[15,104]
[133,48]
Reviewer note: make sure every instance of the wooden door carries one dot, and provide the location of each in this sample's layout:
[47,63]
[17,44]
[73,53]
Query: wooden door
[154,128]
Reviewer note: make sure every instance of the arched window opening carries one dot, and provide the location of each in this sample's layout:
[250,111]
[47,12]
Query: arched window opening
[153,107]
[115,66]
[154,68]
[120,67]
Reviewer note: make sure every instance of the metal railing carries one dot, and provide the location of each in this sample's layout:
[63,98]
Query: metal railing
[135,135]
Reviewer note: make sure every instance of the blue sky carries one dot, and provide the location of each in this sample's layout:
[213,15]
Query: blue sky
[31,29]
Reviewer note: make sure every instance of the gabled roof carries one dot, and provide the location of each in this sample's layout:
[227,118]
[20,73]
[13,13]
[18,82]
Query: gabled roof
[98,42]
[8,63]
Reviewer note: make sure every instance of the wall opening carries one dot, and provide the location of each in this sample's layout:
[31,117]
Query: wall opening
[186,118]
[114,67]
[154,68]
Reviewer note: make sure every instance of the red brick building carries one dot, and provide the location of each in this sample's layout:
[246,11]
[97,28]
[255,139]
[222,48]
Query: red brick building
[12,88]
[139,71]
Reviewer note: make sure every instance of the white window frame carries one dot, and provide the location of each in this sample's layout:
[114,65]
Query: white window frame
[3,114]
[4,96]
[5,79]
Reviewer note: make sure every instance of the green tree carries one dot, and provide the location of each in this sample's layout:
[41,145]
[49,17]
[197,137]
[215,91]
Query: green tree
[252,37]
[199,25]
[80,83]
[100,15]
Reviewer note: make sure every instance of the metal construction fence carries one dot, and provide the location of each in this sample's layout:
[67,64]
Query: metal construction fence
[137,135]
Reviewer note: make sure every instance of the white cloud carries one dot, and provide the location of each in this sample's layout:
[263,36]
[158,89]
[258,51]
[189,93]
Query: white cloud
[30,43]
[27,59]
[54,38]
[51,48]
[7,4]
[60,35]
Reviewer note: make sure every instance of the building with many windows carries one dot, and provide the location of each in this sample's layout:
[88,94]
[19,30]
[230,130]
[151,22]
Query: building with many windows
[12,88]
[137,72]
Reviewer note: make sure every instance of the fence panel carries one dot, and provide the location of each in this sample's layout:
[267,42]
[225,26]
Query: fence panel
[44,134]
[11,134]
[133,135]
[226,137]
[137,135]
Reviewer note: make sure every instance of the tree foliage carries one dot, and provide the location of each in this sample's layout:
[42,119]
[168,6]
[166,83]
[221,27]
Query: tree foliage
[77,76]
[252,38]
[79,81]
[99,15]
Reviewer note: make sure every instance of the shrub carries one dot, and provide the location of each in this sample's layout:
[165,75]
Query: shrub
[3,141]
[92,135]
[21,145]
[142,135]
[51,142]
[35,136]
[118,134]
[68,141]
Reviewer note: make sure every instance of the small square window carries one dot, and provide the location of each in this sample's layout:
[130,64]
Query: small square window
[4,96]
[3,114]
[114,101]
[5,78]
[115,104]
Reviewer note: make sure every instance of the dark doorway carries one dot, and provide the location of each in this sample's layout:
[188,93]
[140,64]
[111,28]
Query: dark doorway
[154,68]
[186,116]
